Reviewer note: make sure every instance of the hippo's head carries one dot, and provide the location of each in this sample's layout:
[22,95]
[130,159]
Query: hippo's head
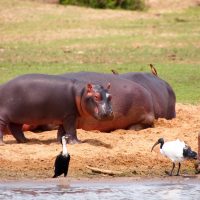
[97,102]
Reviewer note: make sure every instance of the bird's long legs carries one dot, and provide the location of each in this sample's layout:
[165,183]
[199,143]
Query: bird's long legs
[170,173]
[179,166]
[172,169]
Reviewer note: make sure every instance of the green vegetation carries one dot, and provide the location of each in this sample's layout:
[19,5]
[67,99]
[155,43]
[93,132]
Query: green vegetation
[42,38]
[124,4]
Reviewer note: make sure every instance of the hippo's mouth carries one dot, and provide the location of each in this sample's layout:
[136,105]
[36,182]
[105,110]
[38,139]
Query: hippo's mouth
[108,117]
[103,116]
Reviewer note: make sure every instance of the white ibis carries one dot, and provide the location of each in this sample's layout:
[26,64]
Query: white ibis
[176,151]
[62,160]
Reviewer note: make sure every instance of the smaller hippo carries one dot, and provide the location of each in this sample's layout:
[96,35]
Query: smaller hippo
[49,99]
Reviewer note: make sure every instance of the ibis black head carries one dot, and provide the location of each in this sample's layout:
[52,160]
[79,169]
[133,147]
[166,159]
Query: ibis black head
[160,141]
[189,154]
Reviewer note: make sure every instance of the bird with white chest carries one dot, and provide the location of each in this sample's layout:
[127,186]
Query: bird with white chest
[177,151]
[62,160]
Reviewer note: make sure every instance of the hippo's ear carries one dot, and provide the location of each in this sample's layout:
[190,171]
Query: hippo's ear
[108,86]
[89,89]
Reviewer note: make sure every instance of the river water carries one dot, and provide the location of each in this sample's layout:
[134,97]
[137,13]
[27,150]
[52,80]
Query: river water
[117,189]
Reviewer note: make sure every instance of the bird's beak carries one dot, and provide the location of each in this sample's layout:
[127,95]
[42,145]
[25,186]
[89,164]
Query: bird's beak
[154,145]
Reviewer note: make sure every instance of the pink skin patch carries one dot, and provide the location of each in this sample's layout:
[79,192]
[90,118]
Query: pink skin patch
[96,110]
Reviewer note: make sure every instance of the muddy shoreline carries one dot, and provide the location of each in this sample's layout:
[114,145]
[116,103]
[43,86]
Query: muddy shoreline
[125,151]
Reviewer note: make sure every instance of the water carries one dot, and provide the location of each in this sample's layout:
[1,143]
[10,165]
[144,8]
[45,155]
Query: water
[183,189]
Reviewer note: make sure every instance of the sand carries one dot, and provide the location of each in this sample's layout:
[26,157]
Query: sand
[125,151]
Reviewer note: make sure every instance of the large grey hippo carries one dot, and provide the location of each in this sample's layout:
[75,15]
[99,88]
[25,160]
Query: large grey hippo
[162,94]
[44,99]
[138,99]
[132,103]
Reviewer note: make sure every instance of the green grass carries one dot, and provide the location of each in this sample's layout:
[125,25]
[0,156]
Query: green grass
[41,38]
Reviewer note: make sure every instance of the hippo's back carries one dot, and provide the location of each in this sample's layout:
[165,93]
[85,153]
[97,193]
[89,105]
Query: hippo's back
[33,97]
[164,98]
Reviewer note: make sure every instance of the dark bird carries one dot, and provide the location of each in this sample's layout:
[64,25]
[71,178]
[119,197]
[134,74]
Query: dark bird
[176,151]
[153,70]
[114,72]
[62,160]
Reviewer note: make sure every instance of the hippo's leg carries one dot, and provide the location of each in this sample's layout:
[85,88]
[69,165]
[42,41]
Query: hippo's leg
[16,130]
[1,137]
[69,125]
[2,130]
[138,127]
[60,133]
[148,122]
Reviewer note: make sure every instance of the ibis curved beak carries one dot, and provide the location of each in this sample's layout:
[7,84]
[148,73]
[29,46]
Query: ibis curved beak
[154,145]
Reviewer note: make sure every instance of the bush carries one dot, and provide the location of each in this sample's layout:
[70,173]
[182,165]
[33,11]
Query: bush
[124,4]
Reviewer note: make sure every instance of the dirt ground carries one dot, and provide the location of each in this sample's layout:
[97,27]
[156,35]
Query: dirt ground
[124,151]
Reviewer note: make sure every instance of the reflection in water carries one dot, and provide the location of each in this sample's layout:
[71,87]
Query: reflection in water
[118,189]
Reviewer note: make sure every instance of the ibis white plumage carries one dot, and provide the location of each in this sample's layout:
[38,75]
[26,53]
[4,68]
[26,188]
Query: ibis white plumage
[62,160]
[176,151]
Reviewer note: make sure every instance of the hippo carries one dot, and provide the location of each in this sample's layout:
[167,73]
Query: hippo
[161,99]
[163,96]
[51,99]
[132,104]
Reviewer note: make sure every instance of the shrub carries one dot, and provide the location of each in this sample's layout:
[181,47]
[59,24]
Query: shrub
[124,4]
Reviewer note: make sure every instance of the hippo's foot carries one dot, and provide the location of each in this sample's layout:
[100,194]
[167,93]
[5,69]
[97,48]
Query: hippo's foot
[138,127]
[60,133]
[22,140]
[16,130]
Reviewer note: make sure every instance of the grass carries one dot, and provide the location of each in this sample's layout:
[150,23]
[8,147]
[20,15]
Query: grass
[43,38]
